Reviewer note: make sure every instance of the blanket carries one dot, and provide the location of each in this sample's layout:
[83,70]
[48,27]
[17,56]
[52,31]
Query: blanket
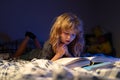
[41,69]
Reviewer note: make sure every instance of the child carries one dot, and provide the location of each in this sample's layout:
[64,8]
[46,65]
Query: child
[66,39]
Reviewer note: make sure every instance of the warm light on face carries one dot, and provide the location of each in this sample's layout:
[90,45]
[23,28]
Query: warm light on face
[72,34]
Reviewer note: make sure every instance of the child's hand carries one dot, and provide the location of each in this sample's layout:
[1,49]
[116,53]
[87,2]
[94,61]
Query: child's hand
[59,52]
[63,50]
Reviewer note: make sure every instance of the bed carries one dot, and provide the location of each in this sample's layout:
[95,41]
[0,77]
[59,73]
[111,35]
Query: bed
[41,69]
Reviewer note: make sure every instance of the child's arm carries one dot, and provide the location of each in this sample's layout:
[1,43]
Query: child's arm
[57,56]
[59,52]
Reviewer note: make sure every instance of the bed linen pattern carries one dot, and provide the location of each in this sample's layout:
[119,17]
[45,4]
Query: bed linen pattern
[41,69]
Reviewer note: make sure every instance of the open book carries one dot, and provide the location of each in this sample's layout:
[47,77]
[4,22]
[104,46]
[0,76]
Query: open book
[72,62]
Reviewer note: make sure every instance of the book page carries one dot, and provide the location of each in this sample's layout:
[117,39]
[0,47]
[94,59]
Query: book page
[73,61]
[67,60]
[80,63]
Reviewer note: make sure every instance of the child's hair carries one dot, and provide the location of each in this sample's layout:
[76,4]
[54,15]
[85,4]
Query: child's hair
[67,21]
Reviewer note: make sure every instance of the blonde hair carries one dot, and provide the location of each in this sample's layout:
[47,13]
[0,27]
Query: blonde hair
[67,21]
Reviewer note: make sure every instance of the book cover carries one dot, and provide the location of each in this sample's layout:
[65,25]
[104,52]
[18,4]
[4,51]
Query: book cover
[97,59]
[100,65]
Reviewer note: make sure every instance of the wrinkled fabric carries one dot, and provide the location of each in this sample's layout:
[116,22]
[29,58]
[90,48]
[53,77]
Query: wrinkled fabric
[42,69]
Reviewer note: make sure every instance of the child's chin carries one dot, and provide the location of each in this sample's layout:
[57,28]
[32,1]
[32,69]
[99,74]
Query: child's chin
[67,43]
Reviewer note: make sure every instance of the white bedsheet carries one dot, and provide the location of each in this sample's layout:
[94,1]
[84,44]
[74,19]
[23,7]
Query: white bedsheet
[40,69]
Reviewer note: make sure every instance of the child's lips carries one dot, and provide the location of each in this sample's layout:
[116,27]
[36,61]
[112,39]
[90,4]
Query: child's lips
[67,41]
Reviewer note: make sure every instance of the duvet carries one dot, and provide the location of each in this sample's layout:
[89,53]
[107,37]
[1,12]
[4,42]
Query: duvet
[41,69]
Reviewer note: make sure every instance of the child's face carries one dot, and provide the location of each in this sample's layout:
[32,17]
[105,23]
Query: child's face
[67,37]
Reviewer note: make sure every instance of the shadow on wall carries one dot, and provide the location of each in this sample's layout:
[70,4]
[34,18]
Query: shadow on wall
[4,37]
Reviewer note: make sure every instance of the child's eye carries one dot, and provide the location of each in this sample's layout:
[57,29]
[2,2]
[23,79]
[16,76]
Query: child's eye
[73,34]
[66,33]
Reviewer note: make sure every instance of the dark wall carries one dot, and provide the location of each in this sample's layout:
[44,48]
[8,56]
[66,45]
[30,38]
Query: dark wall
[19,16]
[108,16]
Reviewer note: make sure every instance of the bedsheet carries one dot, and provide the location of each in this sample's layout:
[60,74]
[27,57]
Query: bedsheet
[41,69]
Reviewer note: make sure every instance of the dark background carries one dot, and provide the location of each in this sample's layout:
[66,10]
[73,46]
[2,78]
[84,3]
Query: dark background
[19,16]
